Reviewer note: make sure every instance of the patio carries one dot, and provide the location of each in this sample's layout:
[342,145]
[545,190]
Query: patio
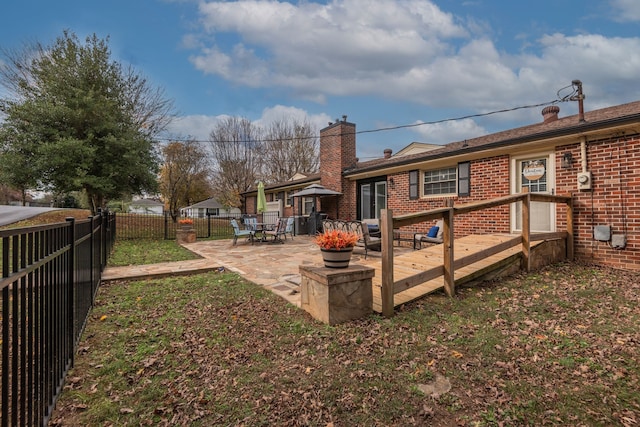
[274,266]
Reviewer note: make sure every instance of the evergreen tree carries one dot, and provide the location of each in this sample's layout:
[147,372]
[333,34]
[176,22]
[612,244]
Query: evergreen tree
[77,120]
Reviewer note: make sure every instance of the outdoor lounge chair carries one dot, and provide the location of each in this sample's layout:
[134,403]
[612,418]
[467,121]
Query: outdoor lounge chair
[433,236]
[237,232]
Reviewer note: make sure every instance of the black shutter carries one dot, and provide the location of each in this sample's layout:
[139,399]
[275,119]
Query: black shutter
[414,190]
[464,179]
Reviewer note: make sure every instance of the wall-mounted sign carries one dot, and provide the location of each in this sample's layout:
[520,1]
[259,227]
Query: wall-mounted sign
[534,170]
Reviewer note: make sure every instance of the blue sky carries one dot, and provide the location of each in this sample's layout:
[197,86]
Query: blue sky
[382,63]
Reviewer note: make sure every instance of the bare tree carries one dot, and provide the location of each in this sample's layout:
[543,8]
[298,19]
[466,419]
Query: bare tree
[235,148]
[290,147]
[183,175]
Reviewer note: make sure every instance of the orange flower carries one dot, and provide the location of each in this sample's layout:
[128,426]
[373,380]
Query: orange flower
[337,239]
[185,221]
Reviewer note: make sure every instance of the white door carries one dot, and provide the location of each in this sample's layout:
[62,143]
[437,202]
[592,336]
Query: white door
[537,174]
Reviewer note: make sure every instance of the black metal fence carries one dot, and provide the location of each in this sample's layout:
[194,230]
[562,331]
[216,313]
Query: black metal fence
[139,226]
[50,275]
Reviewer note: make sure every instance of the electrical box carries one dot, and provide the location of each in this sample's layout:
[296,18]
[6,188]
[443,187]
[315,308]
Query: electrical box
[584,180]
[618,241]
[602,233]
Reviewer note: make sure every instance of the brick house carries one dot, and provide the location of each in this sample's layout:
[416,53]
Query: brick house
[594,155]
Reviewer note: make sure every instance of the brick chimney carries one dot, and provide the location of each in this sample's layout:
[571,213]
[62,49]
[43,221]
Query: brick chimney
[337,153]
[550,113]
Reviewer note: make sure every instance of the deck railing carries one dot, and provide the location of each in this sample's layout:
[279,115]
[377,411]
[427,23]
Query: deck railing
[388,223]
[50,275]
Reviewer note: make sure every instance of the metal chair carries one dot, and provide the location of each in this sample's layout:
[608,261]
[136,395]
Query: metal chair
[289,228]
[237,232]
[278,231]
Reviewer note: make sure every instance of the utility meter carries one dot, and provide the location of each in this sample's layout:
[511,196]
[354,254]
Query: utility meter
[584,181]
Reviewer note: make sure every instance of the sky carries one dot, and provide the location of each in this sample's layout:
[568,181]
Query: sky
[382,63]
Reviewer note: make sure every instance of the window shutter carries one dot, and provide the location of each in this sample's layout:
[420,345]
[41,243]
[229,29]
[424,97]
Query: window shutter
[464,179]
[414,192]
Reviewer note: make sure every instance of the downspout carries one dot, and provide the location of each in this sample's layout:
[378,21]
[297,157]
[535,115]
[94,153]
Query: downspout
[583,153]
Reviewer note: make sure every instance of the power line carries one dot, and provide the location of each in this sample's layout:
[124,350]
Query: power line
[383,129]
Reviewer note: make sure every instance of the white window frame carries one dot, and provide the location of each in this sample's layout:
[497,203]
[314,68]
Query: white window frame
[446,179]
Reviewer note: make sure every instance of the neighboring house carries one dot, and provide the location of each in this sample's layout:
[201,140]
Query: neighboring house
[210,206]
[146,207]
[594,155]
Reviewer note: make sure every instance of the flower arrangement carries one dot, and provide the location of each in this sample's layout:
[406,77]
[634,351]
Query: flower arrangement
[337,239]
[185,221]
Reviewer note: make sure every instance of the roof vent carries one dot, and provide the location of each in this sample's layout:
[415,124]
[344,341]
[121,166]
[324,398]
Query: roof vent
[550,113]
[387,153]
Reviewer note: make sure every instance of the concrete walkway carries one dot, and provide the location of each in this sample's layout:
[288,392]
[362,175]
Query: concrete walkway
[272,265]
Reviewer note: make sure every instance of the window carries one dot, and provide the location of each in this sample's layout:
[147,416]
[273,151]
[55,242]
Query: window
[289,195]
[440,181]
[413,185]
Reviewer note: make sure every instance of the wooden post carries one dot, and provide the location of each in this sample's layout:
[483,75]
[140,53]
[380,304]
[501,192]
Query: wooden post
[570,230]
[448,239]
[386,231]
[526,230]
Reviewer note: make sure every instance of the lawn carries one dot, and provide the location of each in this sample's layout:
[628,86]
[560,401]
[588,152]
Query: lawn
[557,347]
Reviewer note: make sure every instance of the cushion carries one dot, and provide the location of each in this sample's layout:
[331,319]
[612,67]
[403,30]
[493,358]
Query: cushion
[433,231]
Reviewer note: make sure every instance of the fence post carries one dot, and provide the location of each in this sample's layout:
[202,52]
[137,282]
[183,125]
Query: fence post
[526,230]
[71,236]
[570,230]
[387,291]
[448,254]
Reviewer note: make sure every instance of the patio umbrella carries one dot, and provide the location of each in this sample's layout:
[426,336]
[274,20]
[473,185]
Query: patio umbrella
[317,190]
[262,199]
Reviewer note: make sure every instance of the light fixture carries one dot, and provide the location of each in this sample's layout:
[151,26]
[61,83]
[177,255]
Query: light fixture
[392,183]
[567,160]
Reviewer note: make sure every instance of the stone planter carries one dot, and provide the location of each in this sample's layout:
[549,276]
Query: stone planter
[336,258]
[336,295]
[186,235]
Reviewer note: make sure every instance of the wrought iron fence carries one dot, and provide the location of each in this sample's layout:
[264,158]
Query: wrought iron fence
[50,275]
[140,226]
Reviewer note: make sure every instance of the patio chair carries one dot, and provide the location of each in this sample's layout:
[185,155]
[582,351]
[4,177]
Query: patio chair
[289,228]
[278,231]
[237,232]
[433,236]
[251,223]
[365,240]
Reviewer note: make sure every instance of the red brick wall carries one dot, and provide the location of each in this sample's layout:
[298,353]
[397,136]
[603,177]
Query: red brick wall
[338,152]
[489,179]
[614,199]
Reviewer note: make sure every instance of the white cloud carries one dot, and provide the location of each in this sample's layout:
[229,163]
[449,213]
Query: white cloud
[445,132]
[196,127]
[405,50]
[626,10]
[199,127]
[279,112]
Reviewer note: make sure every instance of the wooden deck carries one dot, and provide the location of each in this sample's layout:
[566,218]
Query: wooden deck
[411,263]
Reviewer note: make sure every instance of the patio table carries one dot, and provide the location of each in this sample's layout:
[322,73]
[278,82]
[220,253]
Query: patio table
[263,226]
